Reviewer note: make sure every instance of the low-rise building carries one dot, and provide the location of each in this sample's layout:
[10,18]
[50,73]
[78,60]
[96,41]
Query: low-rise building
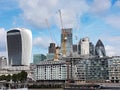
[114,69]
[51,70]
[88,68]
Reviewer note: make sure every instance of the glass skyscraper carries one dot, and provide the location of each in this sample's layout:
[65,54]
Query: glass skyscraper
[37,58]
[99,49]
[19,45]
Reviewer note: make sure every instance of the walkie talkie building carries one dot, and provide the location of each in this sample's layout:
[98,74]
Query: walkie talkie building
[19,46]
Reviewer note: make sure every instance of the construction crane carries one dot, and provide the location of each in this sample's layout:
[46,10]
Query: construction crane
[64,36]
[49,29]
[57,48]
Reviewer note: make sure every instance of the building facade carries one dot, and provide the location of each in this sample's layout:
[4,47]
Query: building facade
[114,69]
[51,48]
[19,46]
[84,46]
[89,69]
[91,48]
[3,62]
[51,70]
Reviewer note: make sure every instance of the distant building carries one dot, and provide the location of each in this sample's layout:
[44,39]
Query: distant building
[19,46]
[75,48]
[114,69]
[50,56]
[52,48]
[99,49]
[84,46]
[91,48]
[68,37]
[3,62]
[38,57]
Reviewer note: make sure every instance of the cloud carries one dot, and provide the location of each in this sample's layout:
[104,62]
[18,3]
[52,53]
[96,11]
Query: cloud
[35,12]
[41,42]
[38,10]
[100,6]
[112,50]
[113,45]
[2,41]
[117,3]
[113,20]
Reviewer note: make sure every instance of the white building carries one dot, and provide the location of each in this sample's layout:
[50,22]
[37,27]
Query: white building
[84,46]
[14,70]
[3,62]
[51,70]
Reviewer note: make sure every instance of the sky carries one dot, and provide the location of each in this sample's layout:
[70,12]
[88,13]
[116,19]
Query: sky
[96,19]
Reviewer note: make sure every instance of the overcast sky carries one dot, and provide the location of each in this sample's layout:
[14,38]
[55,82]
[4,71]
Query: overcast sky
[96,19]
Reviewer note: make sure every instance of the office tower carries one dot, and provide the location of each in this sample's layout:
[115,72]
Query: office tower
[19,45]
[84,46]
[74,48]
[51,51]
[66,41]
[37,58]
[91,48]
[99,49]
[52,48]
[3,62]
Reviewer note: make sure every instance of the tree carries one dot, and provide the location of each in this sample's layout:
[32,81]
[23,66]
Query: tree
[14,77]
[8,77]
[23,76]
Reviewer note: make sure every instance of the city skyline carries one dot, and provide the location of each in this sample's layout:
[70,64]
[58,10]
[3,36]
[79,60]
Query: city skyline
[86,17]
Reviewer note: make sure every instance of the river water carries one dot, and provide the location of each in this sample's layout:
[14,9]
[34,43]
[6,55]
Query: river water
[62,89]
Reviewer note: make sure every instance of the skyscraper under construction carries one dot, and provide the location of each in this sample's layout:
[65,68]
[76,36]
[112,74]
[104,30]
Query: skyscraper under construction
[66,41]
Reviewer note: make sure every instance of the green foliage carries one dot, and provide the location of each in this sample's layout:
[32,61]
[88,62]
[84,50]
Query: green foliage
[20,77]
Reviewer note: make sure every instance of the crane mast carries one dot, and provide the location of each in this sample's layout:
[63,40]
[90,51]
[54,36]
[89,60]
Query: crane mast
[64,36]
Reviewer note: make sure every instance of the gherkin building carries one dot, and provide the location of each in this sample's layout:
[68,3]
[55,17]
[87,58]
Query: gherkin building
[99,49]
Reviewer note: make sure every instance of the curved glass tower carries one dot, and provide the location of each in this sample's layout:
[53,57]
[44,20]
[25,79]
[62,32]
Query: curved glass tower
[99,49]
[19,45]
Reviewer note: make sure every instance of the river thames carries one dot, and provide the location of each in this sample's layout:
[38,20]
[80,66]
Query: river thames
[62,89]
